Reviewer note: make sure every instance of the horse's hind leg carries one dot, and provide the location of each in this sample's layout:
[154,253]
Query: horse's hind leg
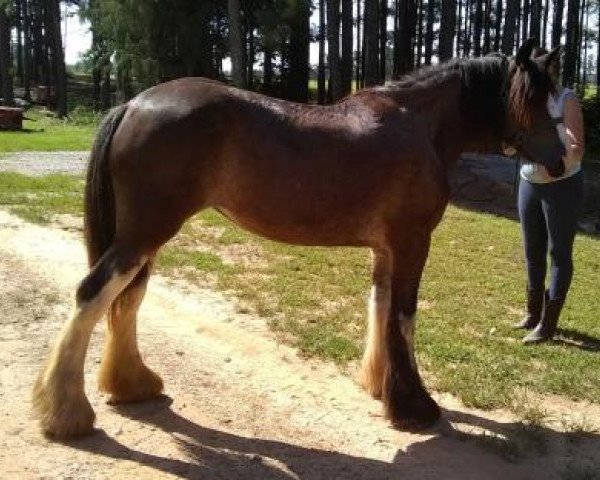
[123,374]
[58,395]
[374,359]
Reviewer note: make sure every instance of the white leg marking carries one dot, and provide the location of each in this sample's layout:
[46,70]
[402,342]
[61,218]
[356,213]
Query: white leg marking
[59,396]
[374,358]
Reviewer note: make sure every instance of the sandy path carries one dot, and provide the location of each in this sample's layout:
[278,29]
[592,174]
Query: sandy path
[237,404]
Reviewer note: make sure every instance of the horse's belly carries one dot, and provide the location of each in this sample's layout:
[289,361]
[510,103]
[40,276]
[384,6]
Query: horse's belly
[301,228]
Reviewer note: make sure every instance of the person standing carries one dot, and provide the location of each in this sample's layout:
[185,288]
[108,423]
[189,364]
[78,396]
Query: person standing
[549,209]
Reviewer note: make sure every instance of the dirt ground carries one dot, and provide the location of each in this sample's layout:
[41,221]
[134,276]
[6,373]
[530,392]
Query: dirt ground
[237,404]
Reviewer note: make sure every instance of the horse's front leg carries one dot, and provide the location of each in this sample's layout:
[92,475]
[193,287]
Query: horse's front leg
[407,404]
[375,359]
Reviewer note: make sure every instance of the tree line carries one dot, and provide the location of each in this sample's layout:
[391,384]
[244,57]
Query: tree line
[136,43]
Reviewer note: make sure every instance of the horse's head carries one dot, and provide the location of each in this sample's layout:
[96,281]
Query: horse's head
[531,127]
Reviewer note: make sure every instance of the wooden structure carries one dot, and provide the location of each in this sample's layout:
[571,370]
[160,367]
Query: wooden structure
[11,118]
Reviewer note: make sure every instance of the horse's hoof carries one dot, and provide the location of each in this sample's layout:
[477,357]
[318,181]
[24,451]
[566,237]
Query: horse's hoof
[132,387]
[419,414]
[62,417]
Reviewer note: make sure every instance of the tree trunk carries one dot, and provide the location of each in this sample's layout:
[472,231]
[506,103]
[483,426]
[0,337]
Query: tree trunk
[545,11]
[447,29]
[299,52]
[420,36]
[459,20]
[396,41]
[5,67]
[525,20]
[347,37]
[536,18]
[498,26]
[124,85]
[557,28]
[598,65]
[19,28]
[585,46]
[333,50]
[578,79]
[251,55]
[429,31]
[383,15]
[26,51]
[105,86]
[321,71]
[236,44]
[510,27]
[97,60]
[40,59]
[570,59]
[371,37]
[358,73]
[468,30]
[477,27]
[268,70]
[58,59]
[487,25]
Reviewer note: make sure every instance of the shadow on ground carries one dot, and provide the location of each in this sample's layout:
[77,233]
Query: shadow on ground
[447,453]
[577,339]
[489,183]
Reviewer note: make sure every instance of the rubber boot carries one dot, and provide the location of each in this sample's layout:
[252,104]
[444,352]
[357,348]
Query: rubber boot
[535,304]
[546,329]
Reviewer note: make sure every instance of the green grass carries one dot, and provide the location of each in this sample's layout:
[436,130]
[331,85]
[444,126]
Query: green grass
[315,298]
[39,199]
[43,132]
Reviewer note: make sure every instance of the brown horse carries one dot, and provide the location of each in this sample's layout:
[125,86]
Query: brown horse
[369,171]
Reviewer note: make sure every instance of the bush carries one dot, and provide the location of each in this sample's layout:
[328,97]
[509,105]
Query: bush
[81,115]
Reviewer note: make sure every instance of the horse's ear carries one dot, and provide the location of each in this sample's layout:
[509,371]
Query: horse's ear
[552,59]
[524,53]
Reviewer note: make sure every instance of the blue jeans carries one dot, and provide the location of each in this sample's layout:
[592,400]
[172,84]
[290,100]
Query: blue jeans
[549,213]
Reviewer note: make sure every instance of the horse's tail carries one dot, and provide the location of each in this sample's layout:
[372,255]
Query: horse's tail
[99,203]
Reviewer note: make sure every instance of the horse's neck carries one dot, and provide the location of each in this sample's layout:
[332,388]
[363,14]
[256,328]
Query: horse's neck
[439,106]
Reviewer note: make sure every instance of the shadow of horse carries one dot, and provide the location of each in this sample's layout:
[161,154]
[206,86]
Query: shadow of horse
[212,454]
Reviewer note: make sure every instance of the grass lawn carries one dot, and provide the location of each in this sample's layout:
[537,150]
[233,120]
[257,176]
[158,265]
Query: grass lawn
[472,291]
[45,133]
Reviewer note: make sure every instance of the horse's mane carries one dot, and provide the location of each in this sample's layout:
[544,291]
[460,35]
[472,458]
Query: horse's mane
[472,70]
[484,80]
